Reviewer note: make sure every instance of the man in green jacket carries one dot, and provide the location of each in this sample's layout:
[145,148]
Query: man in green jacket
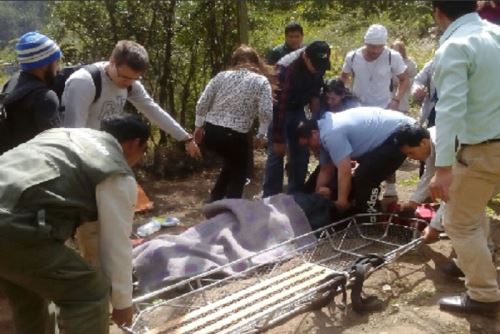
[48,187]
[294,35]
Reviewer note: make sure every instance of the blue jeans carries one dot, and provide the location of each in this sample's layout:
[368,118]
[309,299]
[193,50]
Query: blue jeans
[298,159]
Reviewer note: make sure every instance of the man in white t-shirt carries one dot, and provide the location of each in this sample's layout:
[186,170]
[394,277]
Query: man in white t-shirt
[372,67]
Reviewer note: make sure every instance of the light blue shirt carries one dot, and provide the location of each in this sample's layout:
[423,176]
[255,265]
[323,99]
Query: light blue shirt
[467,78]
[357,131]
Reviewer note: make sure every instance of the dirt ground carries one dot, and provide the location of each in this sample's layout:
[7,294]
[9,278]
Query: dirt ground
[412,285]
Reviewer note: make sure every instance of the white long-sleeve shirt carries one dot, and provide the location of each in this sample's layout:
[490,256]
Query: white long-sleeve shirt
[233,98]
[116,197]
[424,78]
[81,111]
[422,192]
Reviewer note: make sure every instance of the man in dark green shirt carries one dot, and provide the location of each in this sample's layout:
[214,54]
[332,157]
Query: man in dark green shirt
[294,34]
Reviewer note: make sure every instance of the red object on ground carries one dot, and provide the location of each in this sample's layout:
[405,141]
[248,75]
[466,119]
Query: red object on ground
[425,212]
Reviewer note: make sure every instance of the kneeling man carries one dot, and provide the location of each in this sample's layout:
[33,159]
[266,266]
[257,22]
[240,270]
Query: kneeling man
[364,134]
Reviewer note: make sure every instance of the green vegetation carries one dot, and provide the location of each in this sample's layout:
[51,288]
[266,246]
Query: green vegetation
[189,41]
[410,182]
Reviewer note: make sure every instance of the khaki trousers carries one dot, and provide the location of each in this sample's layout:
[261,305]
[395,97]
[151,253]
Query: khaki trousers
[87,237]
[476,176]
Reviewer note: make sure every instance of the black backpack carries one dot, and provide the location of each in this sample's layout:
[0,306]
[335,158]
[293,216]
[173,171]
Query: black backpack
[4,129]
[11,93]
[64,74]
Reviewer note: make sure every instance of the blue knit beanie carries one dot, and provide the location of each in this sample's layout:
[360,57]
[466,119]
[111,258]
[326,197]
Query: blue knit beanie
[35,50]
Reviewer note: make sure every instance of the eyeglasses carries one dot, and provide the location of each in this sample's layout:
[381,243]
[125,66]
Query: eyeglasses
[124,77]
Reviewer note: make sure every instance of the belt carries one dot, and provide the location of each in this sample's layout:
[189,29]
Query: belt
[489,141]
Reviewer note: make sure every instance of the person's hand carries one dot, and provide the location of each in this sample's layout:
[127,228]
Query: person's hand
[419,92]
[123,317]
[259,142]
[430,235]
[192,149]
[342,205]
[325,192]
[393,105]
[279,149]
[440,183]
[198,135]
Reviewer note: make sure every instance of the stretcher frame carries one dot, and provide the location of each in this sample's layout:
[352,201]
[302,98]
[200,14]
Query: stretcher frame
[265,295]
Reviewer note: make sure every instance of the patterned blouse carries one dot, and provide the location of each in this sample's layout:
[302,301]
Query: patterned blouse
[233,99]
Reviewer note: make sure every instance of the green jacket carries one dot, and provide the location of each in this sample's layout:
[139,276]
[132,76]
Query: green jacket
[277,53]
[47,185]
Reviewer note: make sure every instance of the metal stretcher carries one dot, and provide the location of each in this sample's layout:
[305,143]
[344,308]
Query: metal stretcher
[341,256]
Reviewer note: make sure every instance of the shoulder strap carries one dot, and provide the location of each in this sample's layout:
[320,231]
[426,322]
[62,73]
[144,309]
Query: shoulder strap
[390,58]
[352,64]
[95,73]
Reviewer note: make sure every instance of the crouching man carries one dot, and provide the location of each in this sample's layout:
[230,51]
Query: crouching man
[364,134]
[49,186]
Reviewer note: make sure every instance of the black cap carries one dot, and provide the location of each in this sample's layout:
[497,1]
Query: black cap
[319,54]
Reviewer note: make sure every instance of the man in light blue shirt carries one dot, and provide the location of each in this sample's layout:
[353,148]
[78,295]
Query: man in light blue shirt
[363,134]
[467,72]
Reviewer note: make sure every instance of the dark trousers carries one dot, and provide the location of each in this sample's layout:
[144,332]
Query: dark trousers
[298,159]
[374,167]
[233,147]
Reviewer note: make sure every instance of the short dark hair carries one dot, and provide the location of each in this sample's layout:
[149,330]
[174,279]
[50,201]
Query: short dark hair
[125,127]
[305,128]
[335,85]
[131,54]
[454,9]
[294,27]
[411,135]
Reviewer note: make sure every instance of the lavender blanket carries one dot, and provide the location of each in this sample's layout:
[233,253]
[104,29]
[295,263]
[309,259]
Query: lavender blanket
[235,228]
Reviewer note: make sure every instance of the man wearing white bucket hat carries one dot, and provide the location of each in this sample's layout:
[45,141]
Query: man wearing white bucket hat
[372,67]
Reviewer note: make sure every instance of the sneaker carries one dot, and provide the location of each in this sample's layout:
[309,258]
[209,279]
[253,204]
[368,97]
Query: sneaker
[390,190]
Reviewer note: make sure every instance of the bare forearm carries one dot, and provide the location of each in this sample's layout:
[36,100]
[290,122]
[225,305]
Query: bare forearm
[344,181]
[403,86]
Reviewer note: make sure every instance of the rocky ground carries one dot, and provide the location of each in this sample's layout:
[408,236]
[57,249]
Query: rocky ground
[409,287]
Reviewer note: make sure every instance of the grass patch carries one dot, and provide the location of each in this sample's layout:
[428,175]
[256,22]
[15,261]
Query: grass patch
[410,182]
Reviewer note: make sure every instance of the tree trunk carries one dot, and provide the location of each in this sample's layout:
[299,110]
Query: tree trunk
[186,90]
[111,8]
[241,6]
[166,97]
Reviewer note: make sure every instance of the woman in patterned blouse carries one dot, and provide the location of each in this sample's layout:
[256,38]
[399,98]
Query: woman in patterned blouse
[225,113]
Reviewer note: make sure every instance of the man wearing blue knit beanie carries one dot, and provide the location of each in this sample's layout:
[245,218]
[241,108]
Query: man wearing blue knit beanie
[30,106]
